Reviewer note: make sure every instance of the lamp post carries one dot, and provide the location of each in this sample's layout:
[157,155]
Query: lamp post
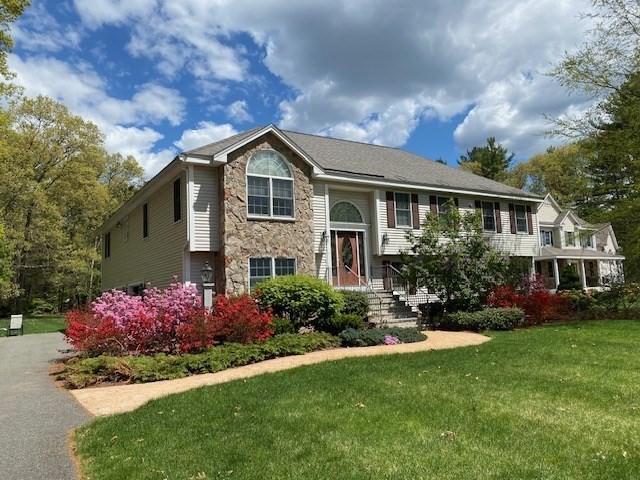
[206,274]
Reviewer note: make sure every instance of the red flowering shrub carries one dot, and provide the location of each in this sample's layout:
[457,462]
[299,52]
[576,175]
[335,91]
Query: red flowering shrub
[504,297]
[93,335]
[198,333]
[238,319]
[539,304]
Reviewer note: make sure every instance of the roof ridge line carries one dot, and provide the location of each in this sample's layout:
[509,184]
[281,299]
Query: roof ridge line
[347,140]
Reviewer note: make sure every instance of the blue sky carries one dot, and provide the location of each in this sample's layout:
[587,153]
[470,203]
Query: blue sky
[435,77]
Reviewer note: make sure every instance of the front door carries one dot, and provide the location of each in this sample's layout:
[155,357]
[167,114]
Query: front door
[347,258]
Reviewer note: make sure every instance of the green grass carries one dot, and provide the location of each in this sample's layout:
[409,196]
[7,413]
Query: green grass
[559,402]
[43,324]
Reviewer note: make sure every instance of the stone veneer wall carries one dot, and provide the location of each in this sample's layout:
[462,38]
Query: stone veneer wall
[243,238]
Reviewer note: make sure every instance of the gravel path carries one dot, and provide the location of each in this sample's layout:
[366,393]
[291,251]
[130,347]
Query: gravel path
[124,398]
[35,415]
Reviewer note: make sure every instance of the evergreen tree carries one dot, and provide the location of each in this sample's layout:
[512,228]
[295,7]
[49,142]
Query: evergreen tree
[491,160]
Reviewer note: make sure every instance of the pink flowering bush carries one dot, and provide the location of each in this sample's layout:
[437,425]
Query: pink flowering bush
[391,340]
[118,324]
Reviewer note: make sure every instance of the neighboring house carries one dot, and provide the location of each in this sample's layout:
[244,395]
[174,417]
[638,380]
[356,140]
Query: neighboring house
[269,202]
[566,239]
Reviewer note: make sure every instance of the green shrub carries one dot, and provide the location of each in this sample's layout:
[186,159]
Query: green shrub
[282,325]
[302,299]
[40,306]
[355,303]
[569,279]
[80,373]
[377,336]
[487,319]
[578,300]
[340,322]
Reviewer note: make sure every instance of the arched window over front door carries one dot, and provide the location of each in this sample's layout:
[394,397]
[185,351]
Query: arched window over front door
[269,185]
[345,212]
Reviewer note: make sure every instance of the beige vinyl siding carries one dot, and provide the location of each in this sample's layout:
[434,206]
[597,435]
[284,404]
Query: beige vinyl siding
[319,216]
[206,215]
[547,213]
[155,259]
[521,244]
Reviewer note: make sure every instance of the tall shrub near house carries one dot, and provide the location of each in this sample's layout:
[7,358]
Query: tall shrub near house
[452,258]
[302,299]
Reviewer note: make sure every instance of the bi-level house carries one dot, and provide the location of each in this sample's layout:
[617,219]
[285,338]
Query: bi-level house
[269,202]
[566,239]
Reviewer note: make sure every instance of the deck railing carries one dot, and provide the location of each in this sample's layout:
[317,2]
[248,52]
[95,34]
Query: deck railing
[375,300]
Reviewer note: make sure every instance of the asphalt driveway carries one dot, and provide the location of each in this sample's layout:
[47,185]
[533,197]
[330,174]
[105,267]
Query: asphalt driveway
[35,415]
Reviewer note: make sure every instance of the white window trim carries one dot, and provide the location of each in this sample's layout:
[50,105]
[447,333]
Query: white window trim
[542,238]
[493,215]
[271,216]
[273,266]
[526,218]
[395,209]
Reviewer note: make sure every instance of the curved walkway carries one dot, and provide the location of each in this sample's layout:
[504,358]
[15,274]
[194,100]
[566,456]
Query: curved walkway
[124,398]
[36,416]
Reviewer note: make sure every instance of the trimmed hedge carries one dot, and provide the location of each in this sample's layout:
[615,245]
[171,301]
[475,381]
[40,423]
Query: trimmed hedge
[487,319]
[80,373]
[376,336]
[303,299]
[340,322]
[355,303]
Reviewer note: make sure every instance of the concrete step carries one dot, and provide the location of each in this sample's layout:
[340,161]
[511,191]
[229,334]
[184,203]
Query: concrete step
[399,322]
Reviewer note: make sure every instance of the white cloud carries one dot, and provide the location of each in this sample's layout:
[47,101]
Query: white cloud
[123,121]
[237,112]
[204,133]
[372,71]
[38,31]
[512,111]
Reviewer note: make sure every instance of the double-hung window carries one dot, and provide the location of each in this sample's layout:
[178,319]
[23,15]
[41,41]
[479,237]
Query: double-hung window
[569,239]
[488,216]
[145,220]
[269,186]
[521,219]
[177,204]
[262,268]
[403,210]
[107,245]
[443,205]
[546,238]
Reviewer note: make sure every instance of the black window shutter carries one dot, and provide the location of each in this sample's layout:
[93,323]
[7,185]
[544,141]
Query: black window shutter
[391,210]
[530,219]
[433,204]
[415,212]
[496,211]
[512,217]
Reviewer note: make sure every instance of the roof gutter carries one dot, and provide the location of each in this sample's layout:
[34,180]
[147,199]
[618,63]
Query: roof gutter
[435,189]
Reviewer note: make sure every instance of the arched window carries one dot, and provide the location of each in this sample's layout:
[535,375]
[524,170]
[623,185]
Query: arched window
[345,212]
[269,185]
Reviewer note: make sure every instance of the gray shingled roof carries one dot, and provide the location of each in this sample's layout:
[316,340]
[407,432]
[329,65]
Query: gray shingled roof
[345,157]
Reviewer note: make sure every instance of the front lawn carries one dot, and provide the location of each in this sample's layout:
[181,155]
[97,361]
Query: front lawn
[40,324]
[555,402]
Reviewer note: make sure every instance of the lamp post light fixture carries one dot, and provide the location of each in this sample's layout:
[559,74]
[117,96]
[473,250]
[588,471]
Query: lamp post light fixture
[206,274]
